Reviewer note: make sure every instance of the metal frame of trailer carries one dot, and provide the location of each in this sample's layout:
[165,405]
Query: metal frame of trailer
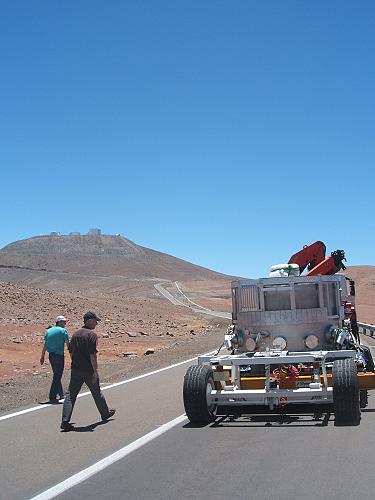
[320,361]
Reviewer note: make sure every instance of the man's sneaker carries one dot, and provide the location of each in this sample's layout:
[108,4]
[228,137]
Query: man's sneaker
[111,412]
[66,426]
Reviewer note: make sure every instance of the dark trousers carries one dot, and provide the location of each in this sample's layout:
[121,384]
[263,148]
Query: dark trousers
[77,379]
[57,364]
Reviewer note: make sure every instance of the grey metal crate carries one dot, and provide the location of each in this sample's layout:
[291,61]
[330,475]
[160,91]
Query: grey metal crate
[292,307]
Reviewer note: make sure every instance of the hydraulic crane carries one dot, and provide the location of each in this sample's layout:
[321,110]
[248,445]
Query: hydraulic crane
[314,258]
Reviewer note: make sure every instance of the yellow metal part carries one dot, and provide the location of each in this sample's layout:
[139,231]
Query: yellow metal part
[365,381]
[222,375]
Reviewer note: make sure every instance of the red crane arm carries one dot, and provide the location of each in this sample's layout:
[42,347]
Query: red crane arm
[331,265]
[310,255]
[314,258]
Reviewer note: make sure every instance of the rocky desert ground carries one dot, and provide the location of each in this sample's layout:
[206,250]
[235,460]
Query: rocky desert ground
[130,328]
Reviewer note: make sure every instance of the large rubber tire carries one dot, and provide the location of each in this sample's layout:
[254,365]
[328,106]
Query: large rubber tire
[198,383]
[363,398]
[346,403]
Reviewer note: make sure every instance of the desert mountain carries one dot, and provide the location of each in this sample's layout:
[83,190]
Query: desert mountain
[108,261]
[96,264]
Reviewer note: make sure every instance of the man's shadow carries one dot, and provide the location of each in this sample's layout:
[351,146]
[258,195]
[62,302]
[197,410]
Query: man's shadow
[87,428]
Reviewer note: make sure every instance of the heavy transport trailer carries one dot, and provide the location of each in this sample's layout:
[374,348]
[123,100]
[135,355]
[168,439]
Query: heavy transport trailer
[292,340]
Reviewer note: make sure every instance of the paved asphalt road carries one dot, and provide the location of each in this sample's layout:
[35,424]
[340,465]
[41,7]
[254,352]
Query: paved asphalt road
[35,455]
[262,456]
[256,458]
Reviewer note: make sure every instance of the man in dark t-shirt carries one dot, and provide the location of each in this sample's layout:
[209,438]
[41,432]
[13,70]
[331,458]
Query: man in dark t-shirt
[83,349]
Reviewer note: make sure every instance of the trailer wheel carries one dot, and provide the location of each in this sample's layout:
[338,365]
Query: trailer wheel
[369,359]
[346,403]
[363,398]
[198,384]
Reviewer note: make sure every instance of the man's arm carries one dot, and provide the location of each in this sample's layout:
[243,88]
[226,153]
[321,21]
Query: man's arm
[44,347]
[43,353]
[70,346]
[94,364]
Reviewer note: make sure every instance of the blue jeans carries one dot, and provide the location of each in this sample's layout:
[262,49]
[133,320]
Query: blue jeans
[57,363]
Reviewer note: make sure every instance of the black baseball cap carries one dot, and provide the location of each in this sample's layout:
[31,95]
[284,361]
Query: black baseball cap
[91,315]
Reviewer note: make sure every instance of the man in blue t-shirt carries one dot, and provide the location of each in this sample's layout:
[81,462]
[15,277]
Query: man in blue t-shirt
[55,339]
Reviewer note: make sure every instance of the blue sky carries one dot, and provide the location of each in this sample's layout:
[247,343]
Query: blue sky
[226,133]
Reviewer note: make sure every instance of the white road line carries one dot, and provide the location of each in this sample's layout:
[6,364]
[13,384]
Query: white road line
[41,407]
[22,412]
[107,461]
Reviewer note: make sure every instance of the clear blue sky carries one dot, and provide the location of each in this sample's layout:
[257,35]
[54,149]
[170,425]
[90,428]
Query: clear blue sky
[227,133]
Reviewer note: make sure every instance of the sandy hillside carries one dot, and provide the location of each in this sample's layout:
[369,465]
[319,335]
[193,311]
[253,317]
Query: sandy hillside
[364,277]
[45,276]
[129,325]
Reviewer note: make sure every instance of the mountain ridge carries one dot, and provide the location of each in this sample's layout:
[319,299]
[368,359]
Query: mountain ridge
[98,255]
